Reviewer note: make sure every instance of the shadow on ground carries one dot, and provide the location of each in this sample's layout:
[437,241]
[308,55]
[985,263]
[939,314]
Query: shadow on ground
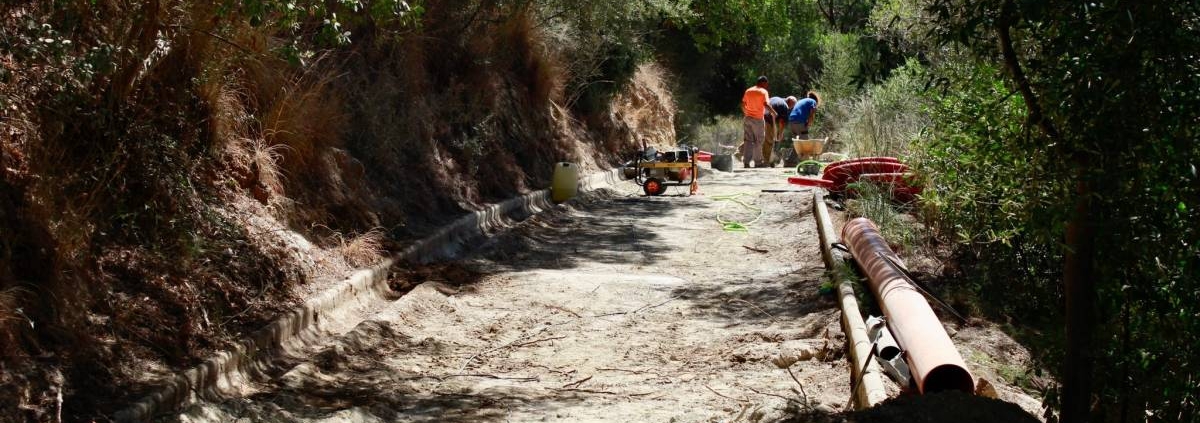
[788,294]
[553,240]
[349,382]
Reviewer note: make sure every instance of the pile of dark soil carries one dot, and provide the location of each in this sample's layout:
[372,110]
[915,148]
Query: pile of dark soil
[943,407]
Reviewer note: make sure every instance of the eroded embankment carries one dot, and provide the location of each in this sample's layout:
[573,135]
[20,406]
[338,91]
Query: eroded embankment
[193,184]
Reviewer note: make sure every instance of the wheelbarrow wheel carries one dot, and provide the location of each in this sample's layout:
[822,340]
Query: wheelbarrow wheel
[654,186]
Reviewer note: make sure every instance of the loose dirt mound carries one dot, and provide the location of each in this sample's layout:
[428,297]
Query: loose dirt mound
[945,407]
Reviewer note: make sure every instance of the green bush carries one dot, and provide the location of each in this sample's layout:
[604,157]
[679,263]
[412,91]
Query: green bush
[983,193]
[718,136]
[874,201]
[1098,130]
[887,117]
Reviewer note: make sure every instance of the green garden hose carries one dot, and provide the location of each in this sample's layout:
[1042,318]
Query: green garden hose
[733,225]
[800,168]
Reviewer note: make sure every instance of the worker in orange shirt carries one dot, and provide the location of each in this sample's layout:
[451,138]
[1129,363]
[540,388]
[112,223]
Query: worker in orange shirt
[754,108]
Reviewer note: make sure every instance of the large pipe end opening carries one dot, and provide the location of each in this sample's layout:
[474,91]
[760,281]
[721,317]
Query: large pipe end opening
[948,377]
[888,352]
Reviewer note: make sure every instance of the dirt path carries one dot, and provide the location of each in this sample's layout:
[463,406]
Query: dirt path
[616,308]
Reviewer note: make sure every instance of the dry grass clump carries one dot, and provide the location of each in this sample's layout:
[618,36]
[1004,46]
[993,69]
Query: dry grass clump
[254,163]
[11,315]
[279,129]
[8,306]
[306,116]
[107,209]
[228,119]
[538,65]
[265,159]
[365,249]
[874,201]
[647,108]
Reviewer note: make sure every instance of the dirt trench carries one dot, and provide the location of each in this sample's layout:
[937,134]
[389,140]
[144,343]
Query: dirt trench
[613,307]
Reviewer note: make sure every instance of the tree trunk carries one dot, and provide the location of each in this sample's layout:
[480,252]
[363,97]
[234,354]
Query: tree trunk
[1077,267]
[143,32]
[1081,301]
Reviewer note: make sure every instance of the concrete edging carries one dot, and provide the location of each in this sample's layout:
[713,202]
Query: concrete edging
[868,391]
[222,373]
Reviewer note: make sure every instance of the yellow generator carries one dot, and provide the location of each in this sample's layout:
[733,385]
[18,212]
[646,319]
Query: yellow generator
[655,170]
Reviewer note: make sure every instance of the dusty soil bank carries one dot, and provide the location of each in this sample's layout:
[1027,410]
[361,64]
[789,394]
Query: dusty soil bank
[173,175]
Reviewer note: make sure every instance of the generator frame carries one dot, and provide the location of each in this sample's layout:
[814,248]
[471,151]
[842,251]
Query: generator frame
[652,175]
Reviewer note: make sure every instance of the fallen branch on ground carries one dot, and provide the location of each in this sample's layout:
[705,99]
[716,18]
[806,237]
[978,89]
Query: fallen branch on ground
[772,395]
[561,308]
[756,307]
[710,389]
[655,306]
[489,376]
[594,391]
[576,384]
[508,345]
[638,310]
[757,250]
[636,372]
[802,393]
[537,341]
[566,373]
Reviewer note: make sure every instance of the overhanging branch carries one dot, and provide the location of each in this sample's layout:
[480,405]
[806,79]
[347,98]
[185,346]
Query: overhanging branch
[1036,116]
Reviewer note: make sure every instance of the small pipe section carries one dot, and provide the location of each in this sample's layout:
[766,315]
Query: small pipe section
[932,358]
[869,390]
[885,345]
[887,351]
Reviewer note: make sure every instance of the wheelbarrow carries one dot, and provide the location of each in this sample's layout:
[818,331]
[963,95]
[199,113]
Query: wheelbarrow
[808,149]
[802,150]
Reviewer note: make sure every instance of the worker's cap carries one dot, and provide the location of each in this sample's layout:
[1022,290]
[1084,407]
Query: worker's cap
[791,99]
[762,79]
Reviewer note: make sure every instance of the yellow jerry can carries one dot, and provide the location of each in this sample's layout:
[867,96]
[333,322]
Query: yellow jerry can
[566,182]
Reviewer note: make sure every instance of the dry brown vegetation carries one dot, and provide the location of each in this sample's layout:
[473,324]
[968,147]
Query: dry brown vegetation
[152,212]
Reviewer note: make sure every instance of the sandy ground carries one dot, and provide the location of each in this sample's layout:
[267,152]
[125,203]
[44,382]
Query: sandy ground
[614,307]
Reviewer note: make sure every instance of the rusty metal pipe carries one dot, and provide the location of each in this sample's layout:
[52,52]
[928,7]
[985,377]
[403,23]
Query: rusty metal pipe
[934,361]
[869,391]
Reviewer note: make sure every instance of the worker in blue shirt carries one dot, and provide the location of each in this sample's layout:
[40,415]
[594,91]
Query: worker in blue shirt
[776,124]
[802,115]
